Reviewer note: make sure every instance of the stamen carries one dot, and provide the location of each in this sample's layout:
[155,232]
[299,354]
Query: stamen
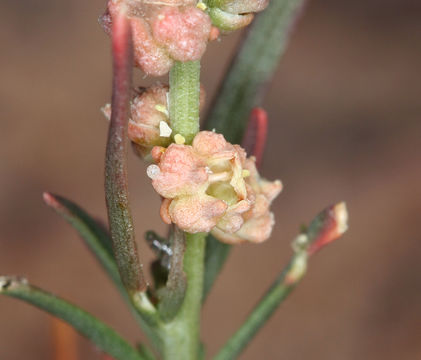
[179,139]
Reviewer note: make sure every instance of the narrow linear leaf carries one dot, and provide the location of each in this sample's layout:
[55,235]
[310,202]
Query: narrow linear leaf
[95,236]
[99,333]
[252,68]
[116,183]
[327,226]
[99,242]
[243,88]
[172,295]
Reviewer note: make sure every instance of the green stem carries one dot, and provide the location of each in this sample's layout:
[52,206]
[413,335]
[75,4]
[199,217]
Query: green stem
[329,225]
[184,99]
[181,337]
[277,293]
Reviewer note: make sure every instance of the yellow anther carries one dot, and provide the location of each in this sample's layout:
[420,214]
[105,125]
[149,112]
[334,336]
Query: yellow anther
[245,173]
[179,139]
[201,5]
[161,109]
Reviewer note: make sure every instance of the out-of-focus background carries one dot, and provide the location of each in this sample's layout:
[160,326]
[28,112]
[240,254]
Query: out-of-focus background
[345,115]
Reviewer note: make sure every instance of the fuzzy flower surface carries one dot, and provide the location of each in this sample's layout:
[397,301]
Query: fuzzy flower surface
[211,186]
[163,31]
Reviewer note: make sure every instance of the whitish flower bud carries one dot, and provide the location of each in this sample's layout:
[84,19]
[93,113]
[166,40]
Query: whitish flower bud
[211,186]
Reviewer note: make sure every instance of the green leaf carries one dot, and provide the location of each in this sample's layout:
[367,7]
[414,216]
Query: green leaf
[252,68]
[243,88]
[99,242]
[116,183]
[96,236]
[99,333]
[172,295]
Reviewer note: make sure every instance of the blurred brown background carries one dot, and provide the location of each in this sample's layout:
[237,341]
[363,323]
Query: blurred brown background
[345,115]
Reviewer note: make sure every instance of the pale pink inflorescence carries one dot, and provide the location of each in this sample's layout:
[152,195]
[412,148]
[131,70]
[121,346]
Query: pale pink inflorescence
[149,123]
[210,186]
[163,31]
[149,114]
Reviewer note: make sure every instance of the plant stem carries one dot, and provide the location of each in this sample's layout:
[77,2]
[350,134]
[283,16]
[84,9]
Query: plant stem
[181,336]
[184,99]
[329,225]
[277,293]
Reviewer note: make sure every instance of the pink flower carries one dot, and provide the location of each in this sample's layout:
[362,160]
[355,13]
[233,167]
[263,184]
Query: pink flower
[210,186]
[163,31]
[148,112]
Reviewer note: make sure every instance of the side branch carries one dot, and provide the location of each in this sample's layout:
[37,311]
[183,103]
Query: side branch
[328,226]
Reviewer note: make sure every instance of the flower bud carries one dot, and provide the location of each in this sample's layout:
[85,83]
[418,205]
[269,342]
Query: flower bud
[227,22]
[327,227]
[162,32]
[229,15]
[243,6]
[149,118]
[149,124]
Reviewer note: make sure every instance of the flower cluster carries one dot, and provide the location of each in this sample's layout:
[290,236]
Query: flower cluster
[210,186]
[149,122]
[163,31]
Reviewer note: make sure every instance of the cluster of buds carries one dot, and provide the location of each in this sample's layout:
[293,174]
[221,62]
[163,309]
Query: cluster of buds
[149,122]
[210,186]
[163,31]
